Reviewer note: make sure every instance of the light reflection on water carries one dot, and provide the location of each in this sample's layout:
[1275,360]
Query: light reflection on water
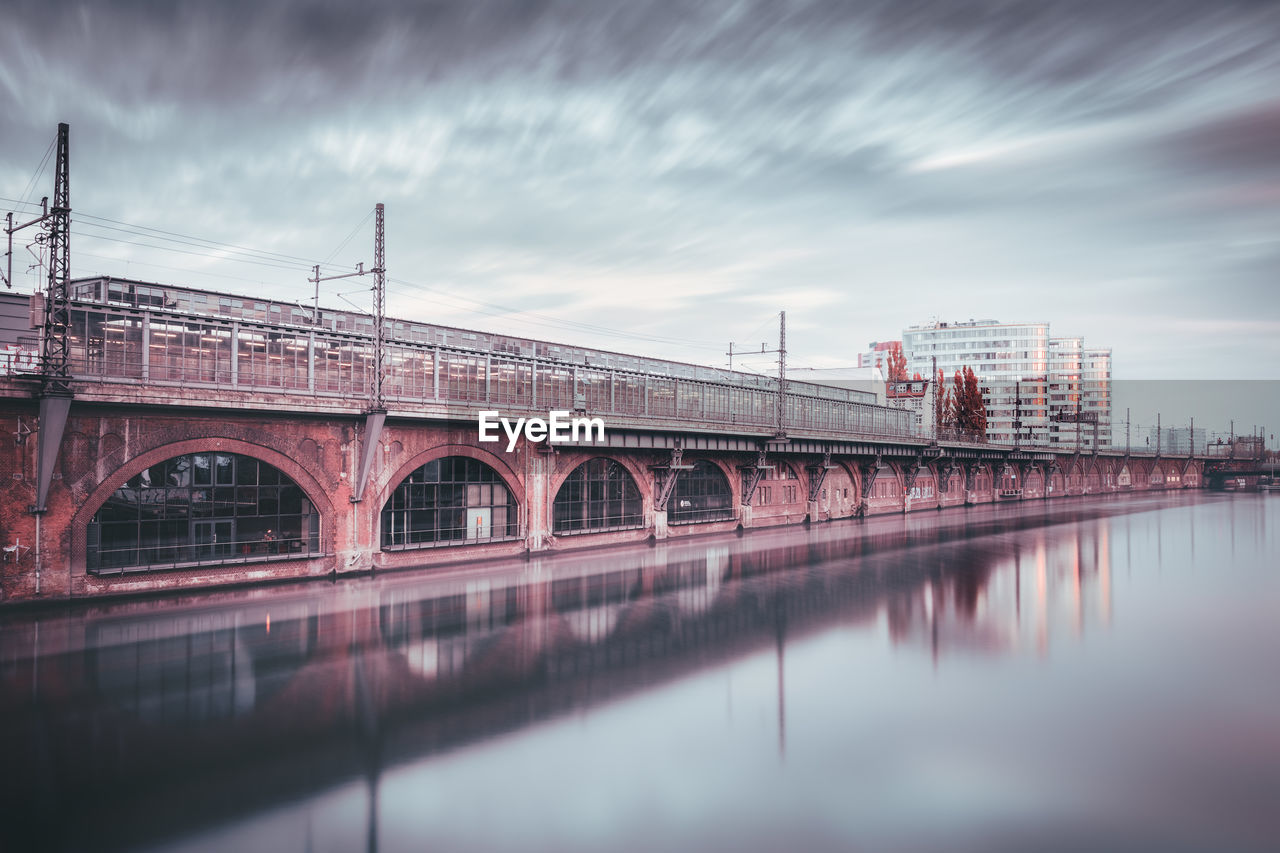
[1083,674]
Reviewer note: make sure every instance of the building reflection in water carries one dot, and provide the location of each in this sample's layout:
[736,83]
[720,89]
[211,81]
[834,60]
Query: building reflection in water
[145,713]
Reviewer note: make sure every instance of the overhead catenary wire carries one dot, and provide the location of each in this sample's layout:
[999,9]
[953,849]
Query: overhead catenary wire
[350,236]
[85,234]
[35,177]
[150,238]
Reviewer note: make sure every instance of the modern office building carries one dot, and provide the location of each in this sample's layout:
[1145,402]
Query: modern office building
[1011,361]
[1035,387]
[1066,416]
[1095,388]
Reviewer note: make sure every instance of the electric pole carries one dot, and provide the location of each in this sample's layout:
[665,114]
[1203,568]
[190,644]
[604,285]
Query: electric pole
[55,380]
[57,310]
[782,374]
[782,371]
[376,416]
[933,401]
[379,303]
[1017,413]
[317,278]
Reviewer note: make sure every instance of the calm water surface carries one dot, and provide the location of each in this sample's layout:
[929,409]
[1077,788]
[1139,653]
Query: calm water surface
[1090,674]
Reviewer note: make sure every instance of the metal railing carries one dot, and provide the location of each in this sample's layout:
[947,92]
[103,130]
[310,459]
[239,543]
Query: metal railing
[149,558]
[153,346]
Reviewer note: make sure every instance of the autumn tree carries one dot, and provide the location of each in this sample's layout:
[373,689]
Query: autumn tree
[941,399]
[895,364]
[967,410]
[955,401]
[977,406]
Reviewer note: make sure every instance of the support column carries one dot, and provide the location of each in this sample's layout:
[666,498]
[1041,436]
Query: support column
[971,481]
[235,354]
[539,467]
[909,474]
[435,374]
[817,477]
[660,524]
[664,484]
[53,422]
[372,437]
[146,346]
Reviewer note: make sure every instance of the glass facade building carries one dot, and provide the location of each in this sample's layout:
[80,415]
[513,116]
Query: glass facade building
[1011,361]
[1029,380]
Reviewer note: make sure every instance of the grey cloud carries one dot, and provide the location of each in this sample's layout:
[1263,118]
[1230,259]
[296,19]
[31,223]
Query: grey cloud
[771,146]
[1245,142]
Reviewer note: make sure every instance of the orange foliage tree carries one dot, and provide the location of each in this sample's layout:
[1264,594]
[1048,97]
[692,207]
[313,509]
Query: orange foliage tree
[895,364]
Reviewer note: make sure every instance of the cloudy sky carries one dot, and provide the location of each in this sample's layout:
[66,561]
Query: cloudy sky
[665,177]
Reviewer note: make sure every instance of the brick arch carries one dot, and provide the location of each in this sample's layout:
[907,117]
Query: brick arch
[928,472]
[894,472]
[836,505]
[1092,482]
[1077,471]
[303,478]
[577,460]
[505,472]
[854,474]
[730,474]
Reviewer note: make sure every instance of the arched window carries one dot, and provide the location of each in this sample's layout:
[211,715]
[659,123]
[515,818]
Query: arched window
[598,495]
[449,501]
[701,494]
[201,508]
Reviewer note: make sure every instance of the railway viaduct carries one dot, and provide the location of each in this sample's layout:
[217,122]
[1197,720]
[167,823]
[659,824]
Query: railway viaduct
[213,440]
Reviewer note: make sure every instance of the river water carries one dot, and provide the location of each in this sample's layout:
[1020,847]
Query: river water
[1082,674]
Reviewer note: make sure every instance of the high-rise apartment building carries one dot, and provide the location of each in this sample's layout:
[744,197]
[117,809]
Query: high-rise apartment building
[1011,361]
[1095,388]
[1066,417]
[1036,387]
